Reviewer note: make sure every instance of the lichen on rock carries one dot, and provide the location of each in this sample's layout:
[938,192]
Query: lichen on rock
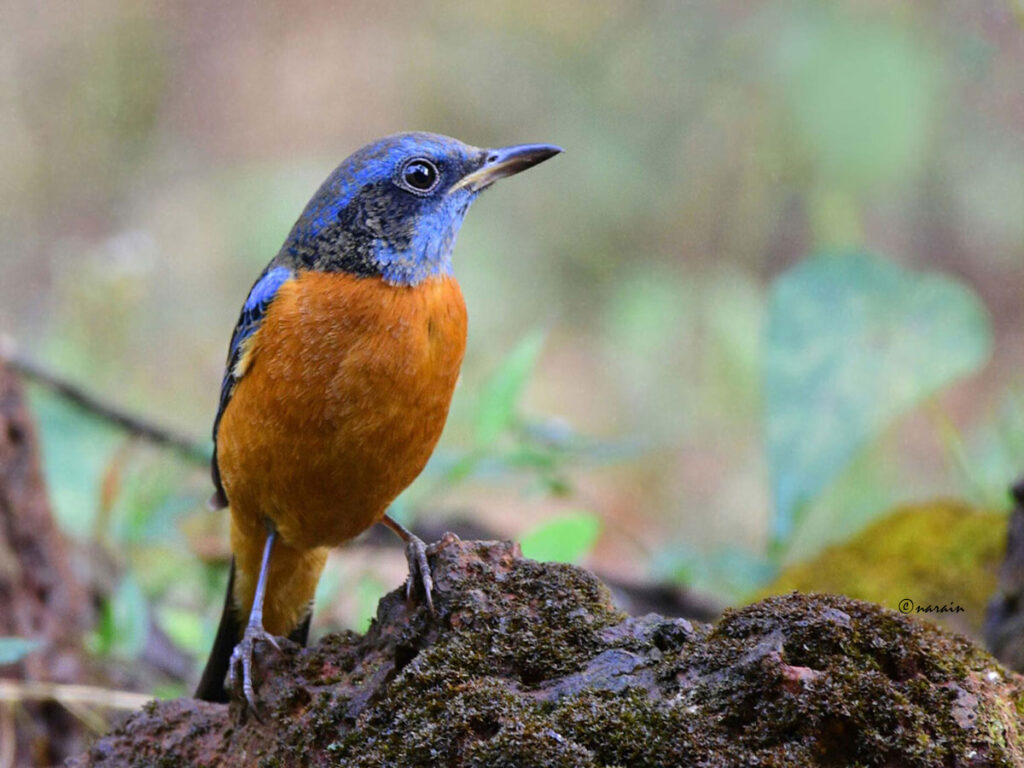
[529,664]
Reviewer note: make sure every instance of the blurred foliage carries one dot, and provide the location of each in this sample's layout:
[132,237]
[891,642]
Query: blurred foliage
[722,399]
[124,622]
[862,95]
[993,454]
[500,396]
[186,629]
[564,539]
[14,649]
[507,443]
[730,572]
[77,452]
[852,342]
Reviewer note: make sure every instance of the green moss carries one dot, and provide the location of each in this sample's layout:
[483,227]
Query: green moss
[938,554]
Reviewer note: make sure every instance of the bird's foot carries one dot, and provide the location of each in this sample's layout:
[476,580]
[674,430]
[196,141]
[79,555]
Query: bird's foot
[241,657]
[419,570]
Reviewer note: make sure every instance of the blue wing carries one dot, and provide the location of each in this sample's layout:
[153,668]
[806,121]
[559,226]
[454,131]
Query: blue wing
[260,297]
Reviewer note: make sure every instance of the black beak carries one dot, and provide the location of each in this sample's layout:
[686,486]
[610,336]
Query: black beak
[506,161]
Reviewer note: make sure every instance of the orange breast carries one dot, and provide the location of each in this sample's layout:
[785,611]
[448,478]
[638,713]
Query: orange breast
[344,398]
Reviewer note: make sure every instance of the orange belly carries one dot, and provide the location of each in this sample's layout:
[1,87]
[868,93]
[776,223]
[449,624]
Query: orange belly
[345,393]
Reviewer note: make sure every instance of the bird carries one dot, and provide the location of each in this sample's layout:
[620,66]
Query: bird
[338,381]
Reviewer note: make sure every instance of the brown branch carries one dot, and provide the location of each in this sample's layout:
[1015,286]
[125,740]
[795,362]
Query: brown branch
[134,425]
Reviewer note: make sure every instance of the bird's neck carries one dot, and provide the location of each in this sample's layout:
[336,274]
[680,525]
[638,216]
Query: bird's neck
[405,258]
[426,255]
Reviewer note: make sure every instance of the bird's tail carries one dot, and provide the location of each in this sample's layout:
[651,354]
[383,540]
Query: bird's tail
[211,684]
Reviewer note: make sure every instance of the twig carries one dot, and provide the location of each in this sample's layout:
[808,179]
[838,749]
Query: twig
[187,447]
[70,695]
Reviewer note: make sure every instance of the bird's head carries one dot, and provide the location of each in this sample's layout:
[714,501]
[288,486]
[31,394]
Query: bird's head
[393,208]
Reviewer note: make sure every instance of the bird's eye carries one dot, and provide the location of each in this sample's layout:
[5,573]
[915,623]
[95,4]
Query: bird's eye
[419,175]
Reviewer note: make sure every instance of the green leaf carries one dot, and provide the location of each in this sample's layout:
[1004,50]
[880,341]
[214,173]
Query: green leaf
[14,649]
[563,539]
[499,397]
[76,451]
[853,341]
[124,621]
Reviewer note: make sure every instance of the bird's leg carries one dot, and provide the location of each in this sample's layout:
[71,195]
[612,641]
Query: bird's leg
[416,555]
[254,631]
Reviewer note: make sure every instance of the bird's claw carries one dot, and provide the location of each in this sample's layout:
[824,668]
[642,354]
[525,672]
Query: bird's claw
[419,569]
[242,657]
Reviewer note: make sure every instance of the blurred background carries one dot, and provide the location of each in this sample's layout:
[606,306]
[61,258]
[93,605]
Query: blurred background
[772,291]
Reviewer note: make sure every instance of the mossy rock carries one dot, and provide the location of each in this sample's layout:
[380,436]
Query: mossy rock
[939,555]
[529,664]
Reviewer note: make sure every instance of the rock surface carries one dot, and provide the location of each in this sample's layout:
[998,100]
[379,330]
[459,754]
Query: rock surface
[529,664]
